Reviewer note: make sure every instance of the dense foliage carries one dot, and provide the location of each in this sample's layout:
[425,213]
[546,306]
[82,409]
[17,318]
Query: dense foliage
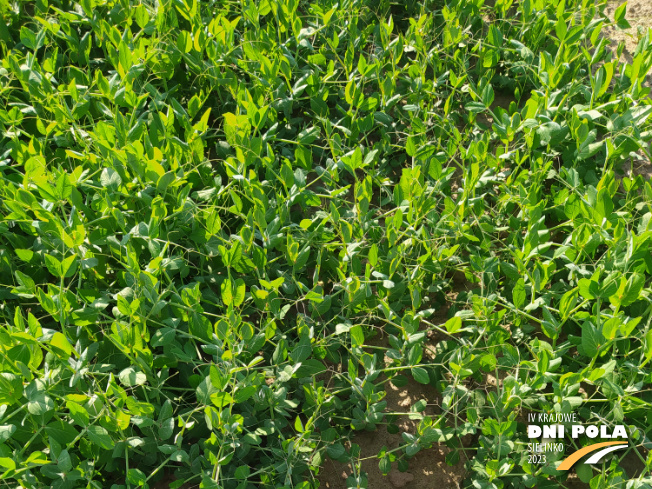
[209,209]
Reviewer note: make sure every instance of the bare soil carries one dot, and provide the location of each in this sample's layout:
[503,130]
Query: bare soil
[639,16]
[427,469]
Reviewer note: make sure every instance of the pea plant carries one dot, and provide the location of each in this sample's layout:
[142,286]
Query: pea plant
[212,210]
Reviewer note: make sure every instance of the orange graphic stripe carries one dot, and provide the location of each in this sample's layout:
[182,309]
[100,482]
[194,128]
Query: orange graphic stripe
[569,461]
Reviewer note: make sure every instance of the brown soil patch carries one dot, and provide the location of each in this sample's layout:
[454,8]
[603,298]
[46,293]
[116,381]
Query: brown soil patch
[639,16]
[634,167]
[428,468]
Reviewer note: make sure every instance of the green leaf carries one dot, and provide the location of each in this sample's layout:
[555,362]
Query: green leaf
[100,437]
[64,188]
[6,431]
[342,328]
[567,302]
[78,413]
[130,377]
[453,325]
[488,362]
[25,281]
[436,435]
[420,375]
[124,55]
[584,472]
[336,450]
[302,351]
[204,391]
[227,292]
[221,399]
[46,302]
[28,38]
[38,402]
[53,265]
[244,393]
[591,339]
[610,328]
[61,432]
[589,289]
[69,266]
[239,296]
[184,41]
[218,380]
[399,380]
[63,461]
[604,205]
[61,344]
[166,428]
[488,95]
[357,336]
[7,463]
[633,289]
[561,29]
[25,255]
[194,106]
[544,361]
[308,135]
[142,16]
[136,476]
[213,222]
[628,326]
[242,472]
[110,178]
[518,293]
[609,286]
[163,337]
[52,472]
[373,255]
[298,425]
[548,131]
[619,17]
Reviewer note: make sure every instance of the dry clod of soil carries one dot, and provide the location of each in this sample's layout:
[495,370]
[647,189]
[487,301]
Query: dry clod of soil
[400,479]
